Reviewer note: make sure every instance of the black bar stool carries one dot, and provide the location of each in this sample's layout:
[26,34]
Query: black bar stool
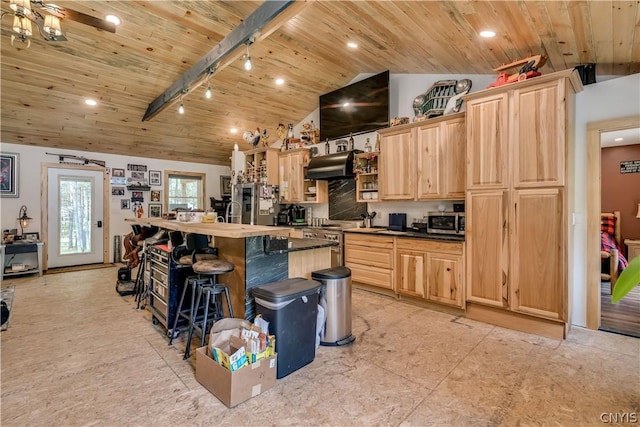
[207,287]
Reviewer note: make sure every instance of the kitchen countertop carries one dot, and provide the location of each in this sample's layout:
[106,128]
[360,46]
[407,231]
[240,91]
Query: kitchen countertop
[410,234]
[306,244]
[216,229]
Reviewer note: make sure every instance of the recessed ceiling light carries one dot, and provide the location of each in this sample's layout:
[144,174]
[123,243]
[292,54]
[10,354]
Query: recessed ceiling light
[91,102]
[233,130]
[279,81]
[352,45]
[618,139]
[487,34]
[113,19]
[345,105]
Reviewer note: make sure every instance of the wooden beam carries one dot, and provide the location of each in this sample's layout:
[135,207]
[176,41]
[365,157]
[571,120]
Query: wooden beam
[261,23]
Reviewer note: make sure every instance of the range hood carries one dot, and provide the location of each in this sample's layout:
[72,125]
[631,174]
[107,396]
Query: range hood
[332,166]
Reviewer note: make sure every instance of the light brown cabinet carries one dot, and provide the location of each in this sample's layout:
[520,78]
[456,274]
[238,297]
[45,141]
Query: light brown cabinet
[431,270]
[294,188]
[366,170]
[370,259]
[291,171]
[517,217]
[424,160]
[261,166]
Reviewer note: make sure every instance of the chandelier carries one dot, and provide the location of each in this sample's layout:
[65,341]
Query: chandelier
[22,17]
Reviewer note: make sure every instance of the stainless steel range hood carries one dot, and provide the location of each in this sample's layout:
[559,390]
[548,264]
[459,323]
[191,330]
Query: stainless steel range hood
[332,166]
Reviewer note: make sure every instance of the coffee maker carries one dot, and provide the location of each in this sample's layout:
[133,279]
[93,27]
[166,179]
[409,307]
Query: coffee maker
[291,215]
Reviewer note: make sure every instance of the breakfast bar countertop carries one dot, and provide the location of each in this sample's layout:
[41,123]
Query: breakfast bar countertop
[380,231]
[297,244]
[216,229]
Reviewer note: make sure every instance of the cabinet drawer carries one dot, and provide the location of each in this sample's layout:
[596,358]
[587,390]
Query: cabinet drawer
[453,248]
[159,274]
[377,257]
[369,240]
[160,288]
[156,302]
[371,275]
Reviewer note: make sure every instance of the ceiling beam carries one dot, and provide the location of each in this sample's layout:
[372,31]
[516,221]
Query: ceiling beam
[266,19]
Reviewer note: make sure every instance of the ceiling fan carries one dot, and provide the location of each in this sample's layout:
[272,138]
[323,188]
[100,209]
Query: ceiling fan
[47,17]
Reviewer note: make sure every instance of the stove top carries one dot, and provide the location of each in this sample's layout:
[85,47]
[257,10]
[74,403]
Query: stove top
[339,225]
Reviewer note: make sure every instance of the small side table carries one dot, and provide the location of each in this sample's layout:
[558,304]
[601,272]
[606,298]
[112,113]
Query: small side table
[633,248]
[20,248]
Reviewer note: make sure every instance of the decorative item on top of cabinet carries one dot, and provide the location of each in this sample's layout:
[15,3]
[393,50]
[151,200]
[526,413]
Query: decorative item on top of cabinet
[517,220]
[366,169]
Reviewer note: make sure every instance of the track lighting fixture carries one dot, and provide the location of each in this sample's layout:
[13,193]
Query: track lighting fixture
[247,58]
[209,93]
[181,108]
[247,61]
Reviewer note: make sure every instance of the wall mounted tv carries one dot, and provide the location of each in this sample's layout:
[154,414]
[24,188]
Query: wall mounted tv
[360,107]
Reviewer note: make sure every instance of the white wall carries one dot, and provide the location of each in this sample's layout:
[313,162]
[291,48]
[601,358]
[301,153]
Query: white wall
[31,159]
[610,99]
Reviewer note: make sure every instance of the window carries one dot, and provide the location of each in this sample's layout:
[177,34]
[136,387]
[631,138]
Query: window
[184,190]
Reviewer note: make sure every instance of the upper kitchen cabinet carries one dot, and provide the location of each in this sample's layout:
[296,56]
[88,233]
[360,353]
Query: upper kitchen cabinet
[533,120]
[539,135]
[294,188]
[261,166]
[424,160]
[397,164]
[441,160]
[487,119]
[291,172]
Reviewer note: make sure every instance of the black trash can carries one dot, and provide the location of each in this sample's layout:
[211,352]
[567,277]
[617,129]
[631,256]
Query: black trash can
[335,299]
[291,308]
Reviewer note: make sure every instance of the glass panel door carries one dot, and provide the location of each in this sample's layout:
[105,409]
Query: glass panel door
[76,215]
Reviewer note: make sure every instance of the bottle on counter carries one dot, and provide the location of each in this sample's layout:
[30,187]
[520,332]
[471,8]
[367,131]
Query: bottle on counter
[378,142]
[327,147]
[351,142]
[367,146]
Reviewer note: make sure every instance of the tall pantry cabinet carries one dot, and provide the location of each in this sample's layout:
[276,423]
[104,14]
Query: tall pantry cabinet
[518,139]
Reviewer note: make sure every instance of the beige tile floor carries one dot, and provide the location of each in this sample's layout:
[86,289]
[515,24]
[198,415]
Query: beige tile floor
[76,353]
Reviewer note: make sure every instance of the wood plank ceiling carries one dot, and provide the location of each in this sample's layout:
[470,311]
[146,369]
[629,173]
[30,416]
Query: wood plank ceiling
[44,86]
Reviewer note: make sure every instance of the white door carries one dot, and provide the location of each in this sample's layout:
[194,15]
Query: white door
[75,217]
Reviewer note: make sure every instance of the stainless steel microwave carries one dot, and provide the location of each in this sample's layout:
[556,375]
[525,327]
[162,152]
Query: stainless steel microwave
[446,223]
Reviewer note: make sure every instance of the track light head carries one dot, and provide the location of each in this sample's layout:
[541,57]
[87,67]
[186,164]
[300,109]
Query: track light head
[208,93]
[247,63]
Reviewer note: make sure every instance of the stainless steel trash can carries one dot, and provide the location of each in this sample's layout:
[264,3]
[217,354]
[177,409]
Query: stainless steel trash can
[335,299]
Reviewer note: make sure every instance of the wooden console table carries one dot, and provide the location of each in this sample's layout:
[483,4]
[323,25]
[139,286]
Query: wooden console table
[19,248]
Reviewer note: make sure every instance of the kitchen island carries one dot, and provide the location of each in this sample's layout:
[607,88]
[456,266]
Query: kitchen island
[260,254]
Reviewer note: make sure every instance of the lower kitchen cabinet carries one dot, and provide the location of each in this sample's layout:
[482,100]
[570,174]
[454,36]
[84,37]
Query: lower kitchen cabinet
[431,270]
[419,268]
[370,259]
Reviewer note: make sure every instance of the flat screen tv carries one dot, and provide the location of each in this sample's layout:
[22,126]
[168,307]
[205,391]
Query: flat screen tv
[360,107]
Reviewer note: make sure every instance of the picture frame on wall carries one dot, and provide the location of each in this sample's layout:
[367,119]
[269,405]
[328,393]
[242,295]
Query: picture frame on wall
[125,204]
[155,178]
[117,173]
[155,196]
[225,185]
[117,191]
[9,163]
[155,210]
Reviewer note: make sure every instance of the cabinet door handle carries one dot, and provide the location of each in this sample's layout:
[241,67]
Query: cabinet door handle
[448,268]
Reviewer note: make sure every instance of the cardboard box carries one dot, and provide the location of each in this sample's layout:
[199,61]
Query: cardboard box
[233,388]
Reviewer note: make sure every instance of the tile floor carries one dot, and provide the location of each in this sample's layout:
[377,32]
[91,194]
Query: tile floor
[76,353]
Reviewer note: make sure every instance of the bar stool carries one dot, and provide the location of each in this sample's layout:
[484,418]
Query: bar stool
[207,287]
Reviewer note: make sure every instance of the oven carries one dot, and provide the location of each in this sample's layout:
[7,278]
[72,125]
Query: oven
[334,235]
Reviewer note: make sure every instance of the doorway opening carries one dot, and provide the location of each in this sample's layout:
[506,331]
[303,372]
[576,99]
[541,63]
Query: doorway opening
[594,210]
[620,197]
[75,221]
